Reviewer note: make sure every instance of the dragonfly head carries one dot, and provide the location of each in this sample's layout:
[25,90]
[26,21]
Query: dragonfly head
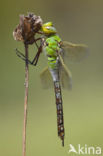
[48,28]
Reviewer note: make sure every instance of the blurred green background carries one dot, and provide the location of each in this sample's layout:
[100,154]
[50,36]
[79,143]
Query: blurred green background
[76,21]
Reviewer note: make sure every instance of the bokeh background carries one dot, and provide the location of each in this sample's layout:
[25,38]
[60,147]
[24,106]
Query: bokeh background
[76,21]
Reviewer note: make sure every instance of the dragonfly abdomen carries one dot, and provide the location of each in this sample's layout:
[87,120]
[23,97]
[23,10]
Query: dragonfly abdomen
[59,106]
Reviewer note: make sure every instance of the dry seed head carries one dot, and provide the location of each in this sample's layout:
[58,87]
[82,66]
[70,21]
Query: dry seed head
[27,28]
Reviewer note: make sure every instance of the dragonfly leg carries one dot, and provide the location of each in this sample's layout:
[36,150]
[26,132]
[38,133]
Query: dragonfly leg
[35,60]
[40,32]
[35,40]
[22,56]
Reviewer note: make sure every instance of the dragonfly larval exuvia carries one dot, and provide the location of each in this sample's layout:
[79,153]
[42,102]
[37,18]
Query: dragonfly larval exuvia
[59,53]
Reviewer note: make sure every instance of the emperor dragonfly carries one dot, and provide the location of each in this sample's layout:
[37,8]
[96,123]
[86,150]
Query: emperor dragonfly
[59,53]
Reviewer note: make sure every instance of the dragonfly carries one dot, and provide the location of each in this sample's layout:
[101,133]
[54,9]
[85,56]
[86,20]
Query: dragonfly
[59,54]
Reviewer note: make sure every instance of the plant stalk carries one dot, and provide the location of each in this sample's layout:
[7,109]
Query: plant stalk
[25,99]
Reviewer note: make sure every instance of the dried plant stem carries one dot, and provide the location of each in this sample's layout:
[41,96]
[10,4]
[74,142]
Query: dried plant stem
[25,100]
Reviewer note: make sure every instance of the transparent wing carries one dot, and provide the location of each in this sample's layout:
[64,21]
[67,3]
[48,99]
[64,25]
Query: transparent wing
[66,78]
[74,52]
[46,79]
[65,75]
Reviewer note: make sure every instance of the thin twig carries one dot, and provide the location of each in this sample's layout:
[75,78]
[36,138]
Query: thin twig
[25,99]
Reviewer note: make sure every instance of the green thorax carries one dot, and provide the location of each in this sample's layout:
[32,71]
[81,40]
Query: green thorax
[51,48]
